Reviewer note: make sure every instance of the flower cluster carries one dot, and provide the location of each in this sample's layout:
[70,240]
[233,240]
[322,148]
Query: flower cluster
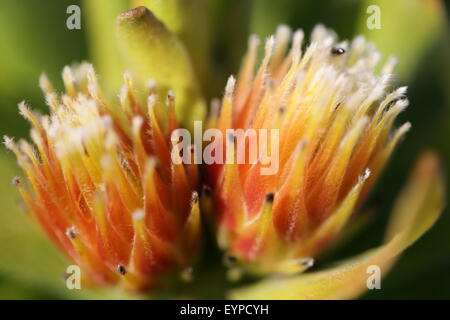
[105,190]
[334,119]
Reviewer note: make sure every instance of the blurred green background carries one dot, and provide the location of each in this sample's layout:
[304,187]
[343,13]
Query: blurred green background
[34,38]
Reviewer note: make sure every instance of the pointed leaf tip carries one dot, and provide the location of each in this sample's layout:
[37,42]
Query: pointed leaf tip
[135,13]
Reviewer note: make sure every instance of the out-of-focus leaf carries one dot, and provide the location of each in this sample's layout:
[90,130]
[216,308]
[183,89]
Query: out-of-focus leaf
[338,15]
[416,210]
[101,16]
[191,22]
[268,14]
[152,52]
[408,29]
[355,226]
[231,25]
[34,38]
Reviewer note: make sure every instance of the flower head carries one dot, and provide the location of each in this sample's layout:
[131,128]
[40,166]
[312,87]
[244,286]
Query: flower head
[335,115]
[103,186]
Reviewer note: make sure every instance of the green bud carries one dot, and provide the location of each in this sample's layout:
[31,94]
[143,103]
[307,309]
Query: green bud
[151,52]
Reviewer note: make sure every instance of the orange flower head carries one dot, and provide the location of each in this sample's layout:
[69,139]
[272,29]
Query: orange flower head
[103,186]
[334,123]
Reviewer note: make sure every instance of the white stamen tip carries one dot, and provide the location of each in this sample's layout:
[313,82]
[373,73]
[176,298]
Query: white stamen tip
[283,33]
[253,41]
[121,269]
[406,127]
[229,89]
[365,175]
[306,262]
[215,107]
[151,100]
[67,71]
[23,108]
[194,197]
[123,94]
[171,95]
[71,232]
[137,123]
[44,83]
[16,181]
[43,78]
[126,75]
[8,142]
[270,44]
[128,79]
[151,83]
[138,215]
[92,77]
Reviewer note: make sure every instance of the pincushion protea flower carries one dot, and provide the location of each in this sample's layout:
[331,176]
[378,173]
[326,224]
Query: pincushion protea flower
[335,123]
[104,188]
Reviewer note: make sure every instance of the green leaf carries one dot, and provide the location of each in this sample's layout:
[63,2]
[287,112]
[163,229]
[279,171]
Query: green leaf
[267,15]
[408,29]
[29,45]
[101,16]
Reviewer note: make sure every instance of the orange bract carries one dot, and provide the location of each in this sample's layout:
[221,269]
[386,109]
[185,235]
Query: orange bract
[104,188]
[334,120]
